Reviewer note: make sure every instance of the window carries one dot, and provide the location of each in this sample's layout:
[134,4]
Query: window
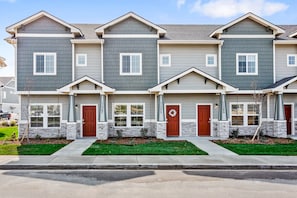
[44,63]
[128,115]
[246,64]
[81,60]
[245,114]
[292,60]
[211,60]
[165,60]
[130,64]
[45,116]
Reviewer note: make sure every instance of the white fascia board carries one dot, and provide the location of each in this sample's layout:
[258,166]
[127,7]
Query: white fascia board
[37,93]
[131,92]
[253,17]
[130,36]
[193,42]
[285,42]
[293,35]
[130,14]
[206,91]
[87,41]
[45,35]
[246,36]
[247,92]
[12,29]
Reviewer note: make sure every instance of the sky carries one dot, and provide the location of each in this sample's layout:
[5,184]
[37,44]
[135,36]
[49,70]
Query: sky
[157,11]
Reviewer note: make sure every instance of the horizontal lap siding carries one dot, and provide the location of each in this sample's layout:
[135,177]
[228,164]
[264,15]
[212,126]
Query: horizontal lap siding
[93,68]
[112,50]
[188,103]
[281,68]
[184,57]
[248,27]
[26,81]
[148,100]
[264,49]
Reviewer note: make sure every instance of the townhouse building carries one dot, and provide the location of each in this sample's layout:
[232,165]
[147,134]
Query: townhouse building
[131,77]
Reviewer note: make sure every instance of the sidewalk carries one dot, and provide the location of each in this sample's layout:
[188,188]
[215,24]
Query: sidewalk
[219,158]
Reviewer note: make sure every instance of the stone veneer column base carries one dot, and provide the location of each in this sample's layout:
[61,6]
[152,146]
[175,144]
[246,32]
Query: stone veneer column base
[71,131]
[102,133]
[280,128]
[223,129]
[161,130]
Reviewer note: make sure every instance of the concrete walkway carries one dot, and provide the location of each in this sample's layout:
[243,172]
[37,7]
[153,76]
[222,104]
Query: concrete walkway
[75,148]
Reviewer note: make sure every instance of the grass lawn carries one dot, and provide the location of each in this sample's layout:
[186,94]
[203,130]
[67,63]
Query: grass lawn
[262,149]
[6,132]
[29,149]
[149,148]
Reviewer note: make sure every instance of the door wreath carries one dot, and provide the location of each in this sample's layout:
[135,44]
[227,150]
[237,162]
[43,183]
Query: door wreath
[172,112]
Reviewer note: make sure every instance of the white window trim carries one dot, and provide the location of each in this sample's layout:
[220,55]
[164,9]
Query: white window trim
[245,113]
[215,60]
[291,65]
[44,53]
[161,60]
[256,64]
[45,115]
[128,115]
[121,66]
[77,60]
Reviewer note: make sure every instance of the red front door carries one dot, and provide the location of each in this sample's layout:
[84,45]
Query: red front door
[203,120]
[288,113]
[89,121]
[172,116]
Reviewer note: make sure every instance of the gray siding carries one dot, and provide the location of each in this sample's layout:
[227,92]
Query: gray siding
[44,99]
[188,103]
[93,68]
[281,68]
[44,25]
[26,81]
[264,49]
[112,50]
[148,100]
[184,57]
[11,96]
[130,26]
[192,81]
[249,27]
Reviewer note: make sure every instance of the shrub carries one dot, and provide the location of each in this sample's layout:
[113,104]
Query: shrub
[12,123]
[234,133]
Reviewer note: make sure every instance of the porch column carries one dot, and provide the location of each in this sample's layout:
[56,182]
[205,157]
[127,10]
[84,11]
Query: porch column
[102,133]
[279,123]
[279,113]
[161,112]
[223,108]
[71,130]
[161,121]
[102,109]
[71,109]
[223,123]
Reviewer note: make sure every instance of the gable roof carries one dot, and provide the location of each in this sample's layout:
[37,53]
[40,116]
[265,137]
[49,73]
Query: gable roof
[67,88]
[293,35]
[227,87]
[5,80]
[279,85]
[12,29]
[100,30]
[277,30]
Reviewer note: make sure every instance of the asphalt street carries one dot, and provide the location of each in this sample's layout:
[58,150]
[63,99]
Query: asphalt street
[148,183]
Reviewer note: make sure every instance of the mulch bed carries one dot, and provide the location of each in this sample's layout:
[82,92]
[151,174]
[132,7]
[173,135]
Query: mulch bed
[262,140]
[37,141]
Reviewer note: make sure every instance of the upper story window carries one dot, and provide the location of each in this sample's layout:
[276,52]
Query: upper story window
[292,60]
[211,60]
[247,64]
[45,63]
[81,60]
[165,60]
[130,64]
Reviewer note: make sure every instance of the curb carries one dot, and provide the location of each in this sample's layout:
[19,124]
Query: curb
[147,167]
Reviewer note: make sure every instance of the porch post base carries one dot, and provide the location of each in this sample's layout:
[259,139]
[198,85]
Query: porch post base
[71,131]
[279,128]
[161,130]
[223,129]
[102,133]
